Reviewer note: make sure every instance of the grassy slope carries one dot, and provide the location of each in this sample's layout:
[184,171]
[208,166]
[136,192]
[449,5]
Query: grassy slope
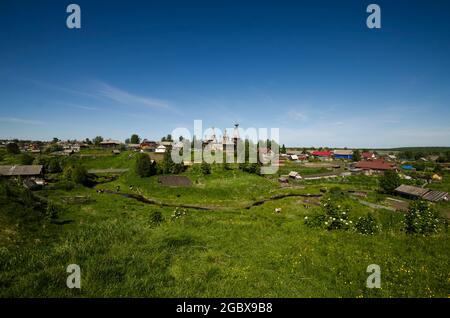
[228,252]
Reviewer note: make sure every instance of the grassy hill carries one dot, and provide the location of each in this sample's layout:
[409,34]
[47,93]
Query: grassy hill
[230,250]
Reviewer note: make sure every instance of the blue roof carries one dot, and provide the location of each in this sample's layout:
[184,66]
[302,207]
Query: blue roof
[407,167]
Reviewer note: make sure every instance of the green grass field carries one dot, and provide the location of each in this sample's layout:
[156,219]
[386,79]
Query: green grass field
[227,251]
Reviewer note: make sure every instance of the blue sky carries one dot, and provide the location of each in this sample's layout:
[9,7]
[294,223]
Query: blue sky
[311,68]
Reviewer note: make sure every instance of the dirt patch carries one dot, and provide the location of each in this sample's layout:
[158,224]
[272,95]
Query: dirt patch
[398,205]
[175,181]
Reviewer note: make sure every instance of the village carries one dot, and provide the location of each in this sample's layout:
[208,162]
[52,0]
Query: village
[197,215]
[319,164]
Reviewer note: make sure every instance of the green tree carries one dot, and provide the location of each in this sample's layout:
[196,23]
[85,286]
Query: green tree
[135,139]
[167,164]
[97,140]
[389,181]
[54,166]
[12,148]
[77,174]
[283,149]
[26,159]
[356,155]
[144,167]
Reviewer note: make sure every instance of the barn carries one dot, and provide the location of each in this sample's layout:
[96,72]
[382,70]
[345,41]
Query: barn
[343,154]
[417,192]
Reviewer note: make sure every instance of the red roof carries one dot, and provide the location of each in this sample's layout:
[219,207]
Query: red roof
[367,155]
[322,153]
[375,165]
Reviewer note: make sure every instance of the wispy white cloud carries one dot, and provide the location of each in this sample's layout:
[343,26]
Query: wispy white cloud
[24,121]
[297,115]
[124,97]
[100,90]
[91,108]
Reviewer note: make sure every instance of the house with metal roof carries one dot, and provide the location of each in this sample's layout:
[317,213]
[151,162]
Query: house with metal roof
[21,171]
[426,194]
[343,154]
[375,165]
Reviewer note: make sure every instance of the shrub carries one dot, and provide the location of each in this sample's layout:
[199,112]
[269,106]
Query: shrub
[51,213]
[178,213]
[316,220]
[62,185]
[226,166]
[421,219]
[334,216]
[366,225]
[336,193]
[205,168]
[337,215]
[156,217]
[250,167]
[178,168]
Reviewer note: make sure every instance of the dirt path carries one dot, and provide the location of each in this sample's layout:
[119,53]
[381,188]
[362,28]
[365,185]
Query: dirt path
[282,196]
[110,170]
[143,199]
[376,206]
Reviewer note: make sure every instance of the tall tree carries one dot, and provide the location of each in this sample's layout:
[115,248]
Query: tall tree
[98,140]
[144,167]
[356,155]
[389,181]
[12,148]
[135,139]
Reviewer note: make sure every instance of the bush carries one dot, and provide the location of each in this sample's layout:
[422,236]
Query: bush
[336,193]
[337,215]
[366,225]
[62,185]
[178,168]
[205,168]
[226,166]
[421,219]
[316,220]
[334,216]
[250,167]
[51,213]
[178,213]
[156,217]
